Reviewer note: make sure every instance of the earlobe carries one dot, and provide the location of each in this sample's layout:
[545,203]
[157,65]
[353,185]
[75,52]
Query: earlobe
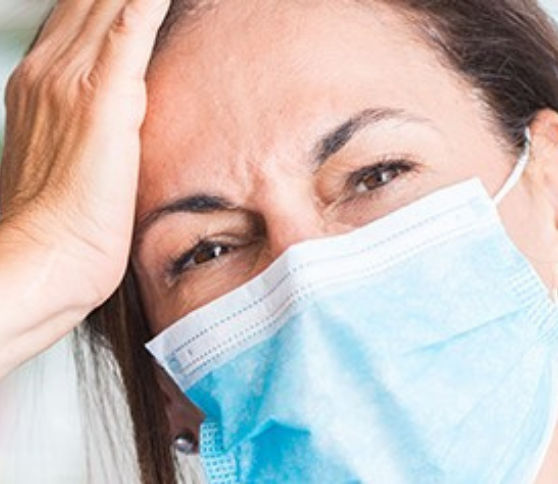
[184,418]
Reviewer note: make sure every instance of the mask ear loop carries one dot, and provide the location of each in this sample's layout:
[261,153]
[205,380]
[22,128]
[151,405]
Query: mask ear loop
[518,170]
[510,183]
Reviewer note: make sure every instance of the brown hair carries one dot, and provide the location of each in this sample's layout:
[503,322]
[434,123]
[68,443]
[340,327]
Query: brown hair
[507,49]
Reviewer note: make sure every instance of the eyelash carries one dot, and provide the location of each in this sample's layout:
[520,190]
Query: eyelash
[398,165]
[183,263]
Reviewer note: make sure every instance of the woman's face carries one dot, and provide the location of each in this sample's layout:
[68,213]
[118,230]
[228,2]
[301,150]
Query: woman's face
[275,122]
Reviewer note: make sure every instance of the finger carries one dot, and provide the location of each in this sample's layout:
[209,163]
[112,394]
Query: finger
[64,22]
[98,23]
[85,39]
[77,35]
[129,44]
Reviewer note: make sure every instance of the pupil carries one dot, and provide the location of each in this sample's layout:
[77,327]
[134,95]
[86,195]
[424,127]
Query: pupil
[208,253]
[379,178]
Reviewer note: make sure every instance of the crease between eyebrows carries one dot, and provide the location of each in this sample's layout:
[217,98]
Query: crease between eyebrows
[328,145]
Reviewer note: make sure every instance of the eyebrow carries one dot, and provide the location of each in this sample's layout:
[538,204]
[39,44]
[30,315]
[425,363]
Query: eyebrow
[193,204]
[335,140]
[327,146]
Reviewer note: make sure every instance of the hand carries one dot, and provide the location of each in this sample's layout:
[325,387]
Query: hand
[70,166]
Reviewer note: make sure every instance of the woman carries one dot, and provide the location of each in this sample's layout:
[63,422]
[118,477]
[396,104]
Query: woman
[345,235]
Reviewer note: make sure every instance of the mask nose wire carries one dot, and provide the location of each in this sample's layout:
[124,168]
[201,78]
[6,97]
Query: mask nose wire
[518,170]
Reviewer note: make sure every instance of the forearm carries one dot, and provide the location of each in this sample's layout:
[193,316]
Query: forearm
[36,308]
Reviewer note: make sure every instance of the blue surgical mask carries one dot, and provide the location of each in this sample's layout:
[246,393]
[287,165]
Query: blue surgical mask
[419,349]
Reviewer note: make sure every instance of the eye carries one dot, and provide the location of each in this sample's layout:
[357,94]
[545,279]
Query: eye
[204,253]
[373,177]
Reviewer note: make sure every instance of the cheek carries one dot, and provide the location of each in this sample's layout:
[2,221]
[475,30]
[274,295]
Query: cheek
[160,309]
[149,294]
[527,222]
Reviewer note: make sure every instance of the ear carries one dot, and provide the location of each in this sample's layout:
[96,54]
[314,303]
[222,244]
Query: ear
[544,152]
[183,416]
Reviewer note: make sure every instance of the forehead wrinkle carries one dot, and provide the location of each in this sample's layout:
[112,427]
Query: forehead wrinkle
[187,13]
[253,150]
[181,12]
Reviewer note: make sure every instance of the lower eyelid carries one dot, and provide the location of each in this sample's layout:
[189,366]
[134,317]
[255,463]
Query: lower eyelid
[235,251]
[359,177]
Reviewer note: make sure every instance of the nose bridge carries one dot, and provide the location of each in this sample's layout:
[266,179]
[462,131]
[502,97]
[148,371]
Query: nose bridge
[291,231]
[283,191]
[291,217]
[286,230]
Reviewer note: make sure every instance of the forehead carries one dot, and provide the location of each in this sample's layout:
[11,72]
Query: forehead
[239,54]
[255,79]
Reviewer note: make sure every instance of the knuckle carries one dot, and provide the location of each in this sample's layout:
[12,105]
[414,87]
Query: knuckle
[127,20]
[52,85]
[24,75]
[65,84]
[87,85]
[29,78]
[12,88]
[110,47]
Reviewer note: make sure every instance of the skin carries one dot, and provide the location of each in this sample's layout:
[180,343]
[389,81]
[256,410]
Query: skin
[70,168]
[238,104]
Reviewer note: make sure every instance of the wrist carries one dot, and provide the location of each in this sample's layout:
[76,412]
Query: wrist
[37,306]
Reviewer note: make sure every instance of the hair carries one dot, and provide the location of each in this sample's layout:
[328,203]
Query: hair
[506,49]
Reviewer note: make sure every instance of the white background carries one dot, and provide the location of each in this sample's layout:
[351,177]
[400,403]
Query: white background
[40,439]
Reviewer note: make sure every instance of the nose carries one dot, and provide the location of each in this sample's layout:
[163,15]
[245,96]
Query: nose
[289,229]
[293,219]
[292,212]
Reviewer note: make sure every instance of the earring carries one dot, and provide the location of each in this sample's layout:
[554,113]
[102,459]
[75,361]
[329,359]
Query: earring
[185,443]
